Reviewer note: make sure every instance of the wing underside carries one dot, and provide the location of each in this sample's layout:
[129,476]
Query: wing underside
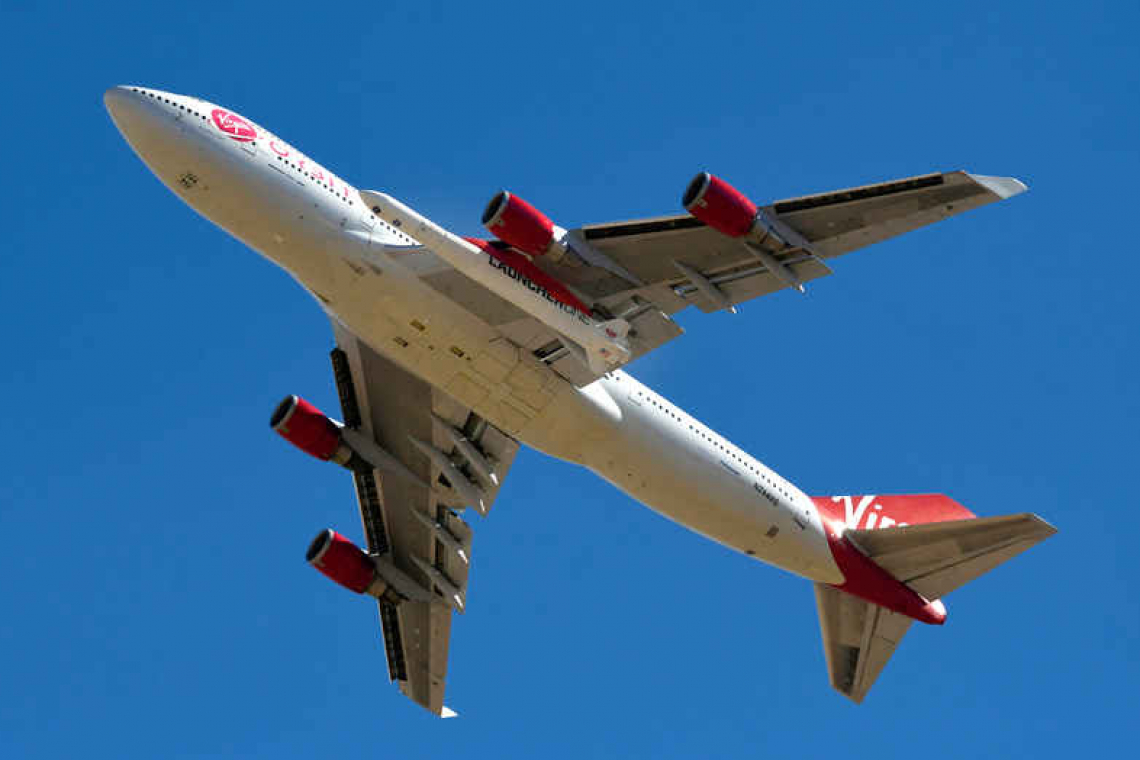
[646,270]
[814,229]
[413,519]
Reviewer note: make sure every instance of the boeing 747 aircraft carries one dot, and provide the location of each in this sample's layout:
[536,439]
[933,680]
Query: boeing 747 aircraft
[452,351]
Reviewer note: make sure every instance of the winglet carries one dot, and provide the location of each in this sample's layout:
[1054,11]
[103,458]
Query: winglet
[1002,187]
[447,712]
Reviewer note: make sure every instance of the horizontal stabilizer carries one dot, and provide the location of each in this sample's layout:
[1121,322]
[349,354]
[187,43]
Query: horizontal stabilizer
[858,639]
[936,558]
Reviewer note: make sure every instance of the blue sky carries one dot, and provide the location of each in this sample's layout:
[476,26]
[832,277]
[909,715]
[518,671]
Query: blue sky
[156,601]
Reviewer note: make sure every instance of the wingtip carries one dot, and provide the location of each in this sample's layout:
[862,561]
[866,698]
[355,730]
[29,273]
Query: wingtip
[1046,527]
[447,712]
[1002,187]
[855,696]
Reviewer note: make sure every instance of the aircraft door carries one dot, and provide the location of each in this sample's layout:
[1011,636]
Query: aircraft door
[368,224]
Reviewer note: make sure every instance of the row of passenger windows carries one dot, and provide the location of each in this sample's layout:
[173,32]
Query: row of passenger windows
[203,117]
[729,449]
[345,198]
[396,232]
[175,104]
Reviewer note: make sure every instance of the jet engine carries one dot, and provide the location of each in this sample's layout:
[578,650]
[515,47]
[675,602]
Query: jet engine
[345,563]
[306,427]
[515,221]
[719,205]
[730,212]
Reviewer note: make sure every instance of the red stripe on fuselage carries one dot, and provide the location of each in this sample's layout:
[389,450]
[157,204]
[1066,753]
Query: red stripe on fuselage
[865,579]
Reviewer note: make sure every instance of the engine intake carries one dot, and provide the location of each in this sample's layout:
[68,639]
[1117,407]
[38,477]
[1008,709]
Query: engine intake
[306,427]
[719,205]
[309,429]
[344,562]
[518,223]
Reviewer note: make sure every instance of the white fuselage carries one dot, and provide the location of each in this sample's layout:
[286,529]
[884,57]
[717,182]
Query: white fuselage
[369,278]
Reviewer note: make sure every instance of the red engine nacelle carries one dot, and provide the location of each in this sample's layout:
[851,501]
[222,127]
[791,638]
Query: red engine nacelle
[306,427]
[515,221]
[342,561]
[719,205]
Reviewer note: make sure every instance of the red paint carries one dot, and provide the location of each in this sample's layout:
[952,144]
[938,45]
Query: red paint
[279,151]
[233,125]
[719,205]
[306,427]
[871,511]
[868,581]
[341,560]
[512,219]
[530,270]
[864,578]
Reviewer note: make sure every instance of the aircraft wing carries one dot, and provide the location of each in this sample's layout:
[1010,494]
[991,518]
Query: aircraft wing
[415,526]
[820,227]
[858,639]
[642,270]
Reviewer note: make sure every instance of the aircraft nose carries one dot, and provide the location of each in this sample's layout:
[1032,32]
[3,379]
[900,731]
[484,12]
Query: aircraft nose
[119,100]
[115,95]
[146,127]
[127,109]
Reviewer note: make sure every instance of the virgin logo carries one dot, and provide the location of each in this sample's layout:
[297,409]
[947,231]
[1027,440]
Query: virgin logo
[233,125]
[866,508]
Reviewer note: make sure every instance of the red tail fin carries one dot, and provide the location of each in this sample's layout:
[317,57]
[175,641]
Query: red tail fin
[871,511]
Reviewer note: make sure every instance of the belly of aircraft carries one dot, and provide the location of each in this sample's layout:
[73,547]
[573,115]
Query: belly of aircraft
[692,487]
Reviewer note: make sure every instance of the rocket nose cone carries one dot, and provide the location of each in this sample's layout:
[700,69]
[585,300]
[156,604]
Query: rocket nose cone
[935,612]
